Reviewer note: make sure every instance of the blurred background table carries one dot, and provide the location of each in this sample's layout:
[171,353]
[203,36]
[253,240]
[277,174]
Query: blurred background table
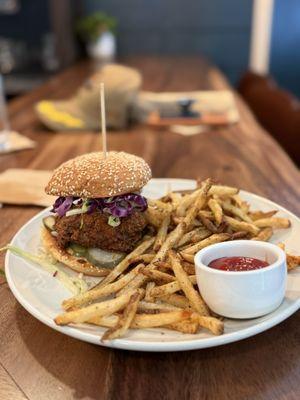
[38,363]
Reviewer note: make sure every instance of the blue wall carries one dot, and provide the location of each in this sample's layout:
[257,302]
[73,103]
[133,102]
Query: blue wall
[218,29]
[29,23]
[285,48]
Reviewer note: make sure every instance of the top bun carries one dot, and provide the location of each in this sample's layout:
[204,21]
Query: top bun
[92,175]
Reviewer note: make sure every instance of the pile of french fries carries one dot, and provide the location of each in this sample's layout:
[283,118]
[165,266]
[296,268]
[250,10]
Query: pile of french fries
[155,285]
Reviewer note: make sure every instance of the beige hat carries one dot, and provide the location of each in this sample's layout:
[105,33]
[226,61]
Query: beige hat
[82,111]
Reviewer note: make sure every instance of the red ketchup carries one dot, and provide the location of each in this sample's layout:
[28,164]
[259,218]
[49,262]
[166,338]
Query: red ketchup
[237,264]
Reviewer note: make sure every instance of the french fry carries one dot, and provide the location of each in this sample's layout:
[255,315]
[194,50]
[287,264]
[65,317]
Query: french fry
[154,216]
[198,204]
[176,300]
[200,235]
[120,268]
[143,321]
[162,232]
[216,210]
[158,204]
[292,261]
[188,326]
[188,267]
[209,225]
[149,286]
[169,288]
[175,199]
[211,323]
[240,203]
[187,257]
[222,191]
[137,282]
[207,214]
[154,320]
[172,197]
[100,292]
[215,238]
[239,235]
[231,231]
[108,321]
[125,320]
[158,276]
[255,215]
[193,236]
[186,202]
[94,310]
[194,297]
[241,225]
[222,228]
[162,307]
[273,222]
[163,266]
[178,220]
[143,258]
[264,235]
[171,241]
[236,211]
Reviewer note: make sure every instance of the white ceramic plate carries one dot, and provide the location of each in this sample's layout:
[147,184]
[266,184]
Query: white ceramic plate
[41,295]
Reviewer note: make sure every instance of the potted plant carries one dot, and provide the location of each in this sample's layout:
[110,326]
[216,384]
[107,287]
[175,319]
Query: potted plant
[97,30]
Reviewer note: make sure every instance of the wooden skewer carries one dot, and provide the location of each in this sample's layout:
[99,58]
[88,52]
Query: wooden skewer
[103,120]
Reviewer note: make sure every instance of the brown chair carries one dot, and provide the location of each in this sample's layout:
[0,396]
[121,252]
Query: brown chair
[277,110]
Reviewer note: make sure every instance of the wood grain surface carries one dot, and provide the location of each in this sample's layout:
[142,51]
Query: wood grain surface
[38,363]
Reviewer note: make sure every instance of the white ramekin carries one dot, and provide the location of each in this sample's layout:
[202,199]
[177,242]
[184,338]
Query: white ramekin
[242,294]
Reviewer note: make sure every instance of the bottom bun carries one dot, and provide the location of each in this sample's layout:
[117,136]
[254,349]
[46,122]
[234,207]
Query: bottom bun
[78,264]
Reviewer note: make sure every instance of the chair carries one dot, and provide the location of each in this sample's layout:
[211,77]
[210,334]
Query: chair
[277,110]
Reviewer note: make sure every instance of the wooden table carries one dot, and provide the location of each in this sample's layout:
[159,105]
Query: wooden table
[38,363]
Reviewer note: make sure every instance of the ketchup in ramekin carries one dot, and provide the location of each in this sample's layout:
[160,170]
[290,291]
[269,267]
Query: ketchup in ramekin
[239,291]
[238,264]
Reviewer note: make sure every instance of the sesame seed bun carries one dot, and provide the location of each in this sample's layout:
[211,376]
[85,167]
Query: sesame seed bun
[93,176]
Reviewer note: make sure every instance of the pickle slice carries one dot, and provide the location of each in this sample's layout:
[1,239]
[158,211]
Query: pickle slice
[77,250]
[49,222]
[106,259]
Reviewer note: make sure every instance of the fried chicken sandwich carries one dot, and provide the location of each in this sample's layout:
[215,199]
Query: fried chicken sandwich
[98,216]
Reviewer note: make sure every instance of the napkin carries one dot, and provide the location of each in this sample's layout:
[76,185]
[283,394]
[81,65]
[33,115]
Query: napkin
[212,102]
[25,187]
[208,101]
[17,142]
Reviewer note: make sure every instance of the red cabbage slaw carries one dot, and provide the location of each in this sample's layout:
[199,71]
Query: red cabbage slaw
[116,207]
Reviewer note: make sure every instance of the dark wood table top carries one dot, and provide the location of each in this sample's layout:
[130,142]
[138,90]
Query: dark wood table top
[39,363]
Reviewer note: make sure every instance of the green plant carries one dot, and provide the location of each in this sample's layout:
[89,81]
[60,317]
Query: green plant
[91,26]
